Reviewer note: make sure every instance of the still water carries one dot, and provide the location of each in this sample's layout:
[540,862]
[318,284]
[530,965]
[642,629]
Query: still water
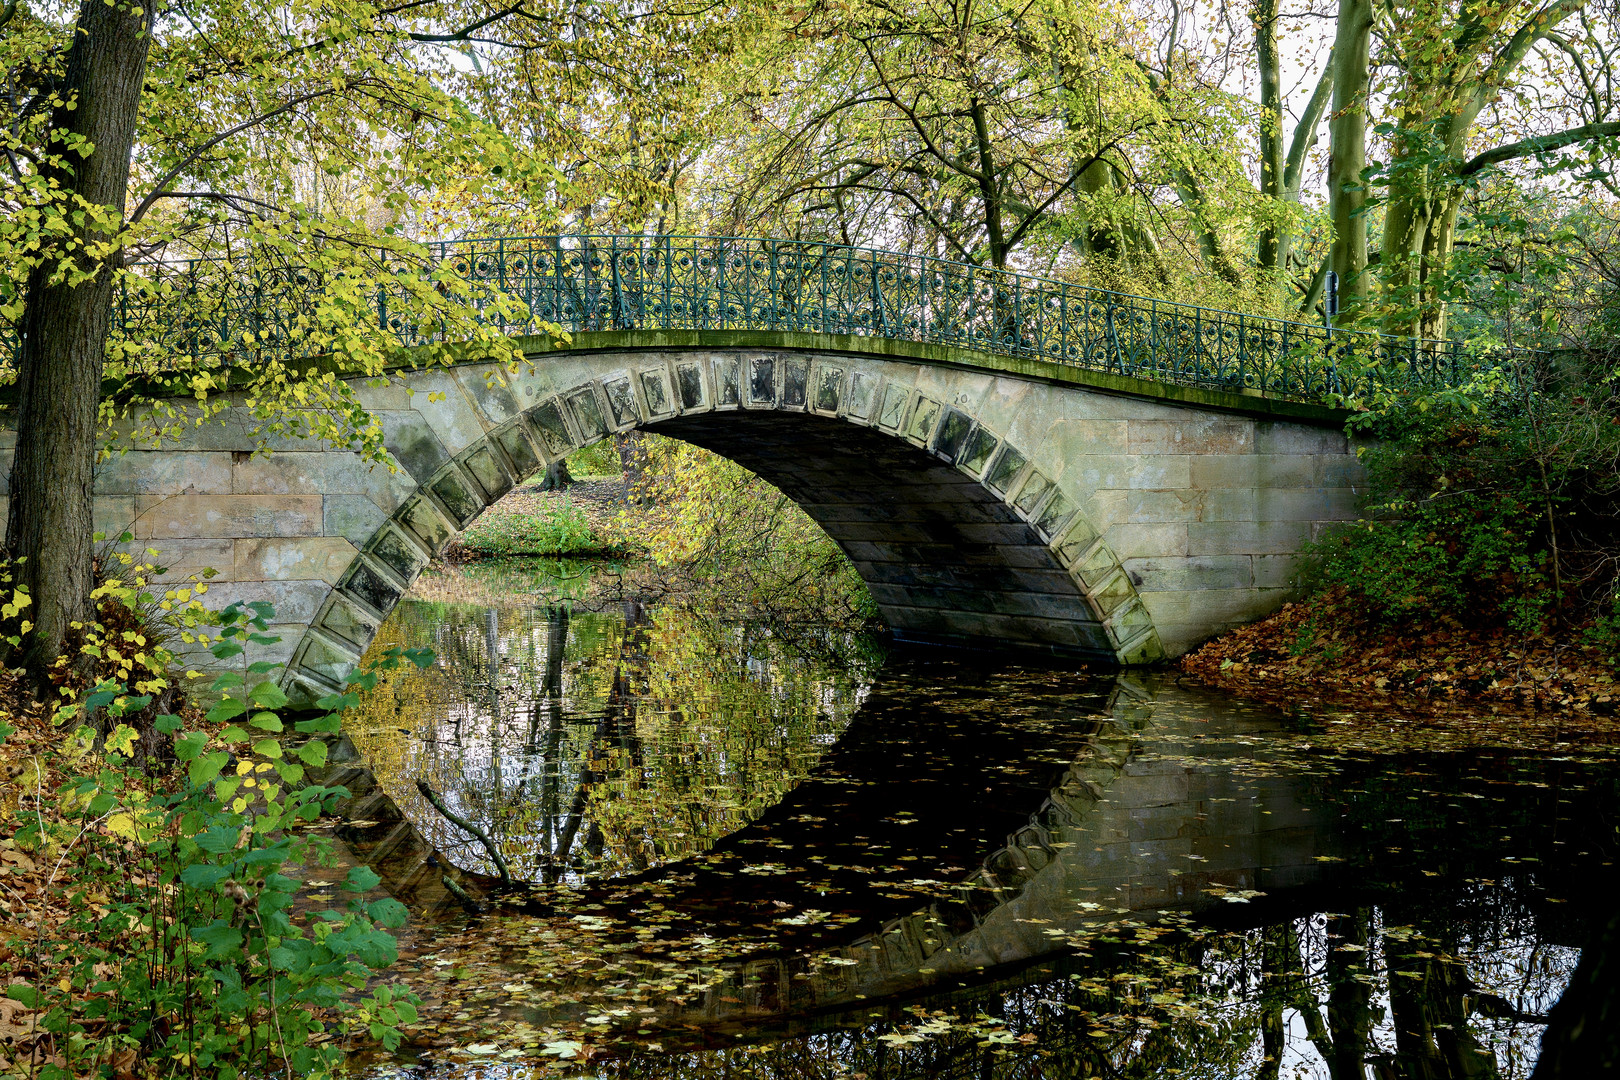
[758,850]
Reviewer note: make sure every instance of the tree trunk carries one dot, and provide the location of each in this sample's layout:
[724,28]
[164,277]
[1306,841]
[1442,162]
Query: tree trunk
[1583,1036]
[1273,253]
[64,330]
[1419,235]
[1347,138]
[1349,1004]
[632,459]
[557,476]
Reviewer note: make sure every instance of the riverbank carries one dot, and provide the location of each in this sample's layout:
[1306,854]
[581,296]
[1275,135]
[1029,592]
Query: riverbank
[151,854]
[1319,651]
[575,521]
[587,544]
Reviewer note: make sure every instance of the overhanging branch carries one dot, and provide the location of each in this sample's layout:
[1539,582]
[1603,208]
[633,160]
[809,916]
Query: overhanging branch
[1540,144]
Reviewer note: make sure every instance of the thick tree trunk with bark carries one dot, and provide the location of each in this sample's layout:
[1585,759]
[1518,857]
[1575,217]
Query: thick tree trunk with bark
[64,330]
[557,476]
[1273,253]
[1583,1037]
[1347,138]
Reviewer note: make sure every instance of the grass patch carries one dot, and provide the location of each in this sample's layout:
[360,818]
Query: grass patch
[562,531]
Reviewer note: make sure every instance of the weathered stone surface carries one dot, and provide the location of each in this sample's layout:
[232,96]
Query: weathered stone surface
[113,515]
[323,557]
[147,472]
[520,450]
[348,623]
[350,515]
[393,550]
[489,388]
[1191,435]
[977,504]
[424,521]
[1159,539]
[444,404]
[1272,437]
[296,601]
[182,558]
[330,473]
[414,443]
[207,516]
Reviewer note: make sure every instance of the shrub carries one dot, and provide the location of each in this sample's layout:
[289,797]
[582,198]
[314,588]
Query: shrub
[598,459]
[179,947]
[1506,520]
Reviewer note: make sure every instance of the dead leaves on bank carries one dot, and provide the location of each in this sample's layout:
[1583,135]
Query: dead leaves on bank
[1319,653]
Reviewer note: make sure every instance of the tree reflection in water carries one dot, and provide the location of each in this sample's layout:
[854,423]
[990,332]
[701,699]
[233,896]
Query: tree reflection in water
[595,743]
[1285,907]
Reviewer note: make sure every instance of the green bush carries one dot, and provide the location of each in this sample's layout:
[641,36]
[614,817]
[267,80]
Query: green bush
[1439,557]
[598,459]
[563,531]
[1507,520]
[183,949]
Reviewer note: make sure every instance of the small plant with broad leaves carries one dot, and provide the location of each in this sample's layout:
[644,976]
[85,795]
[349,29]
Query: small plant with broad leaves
[182,948]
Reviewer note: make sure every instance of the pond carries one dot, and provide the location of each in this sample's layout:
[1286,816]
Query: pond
[754,849]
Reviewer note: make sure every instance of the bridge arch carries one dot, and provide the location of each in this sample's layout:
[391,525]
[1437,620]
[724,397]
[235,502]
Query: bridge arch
[1036,503]
[956,528]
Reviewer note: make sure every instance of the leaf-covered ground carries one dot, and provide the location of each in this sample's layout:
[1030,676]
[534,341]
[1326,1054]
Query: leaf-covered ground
[1319,652]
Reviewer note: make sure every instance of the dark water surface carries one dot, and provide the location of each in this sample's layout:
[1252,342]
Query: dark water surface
[782,853]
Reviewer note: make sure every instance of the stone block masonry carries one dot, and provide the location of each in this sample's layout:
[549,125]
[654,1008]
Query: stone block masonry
[1039,507]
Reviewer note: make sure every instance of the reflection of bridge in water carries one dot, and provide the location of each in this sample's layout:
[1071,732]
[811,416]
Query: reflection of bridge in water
[1161,802]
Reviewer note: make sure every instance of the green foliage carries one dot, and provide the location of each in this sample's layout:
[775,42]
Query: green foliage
[597,459]
[183,946]
[744,542]
[1604,631]
[1506,518]
[273,146]
[985,132]
[1449,554]
[559,531]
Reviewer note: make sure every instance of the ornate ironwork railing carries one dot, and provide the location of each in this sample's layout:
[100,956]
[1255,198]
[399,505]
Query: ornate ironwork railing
[730,283]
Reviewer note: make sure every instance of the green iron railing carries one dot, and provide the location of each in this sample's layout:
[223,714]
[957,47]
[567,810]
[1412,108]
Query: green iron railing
[582,283]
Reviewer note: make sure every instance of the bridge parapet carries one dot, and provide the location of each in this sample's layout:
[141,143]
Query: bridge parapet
[215,314]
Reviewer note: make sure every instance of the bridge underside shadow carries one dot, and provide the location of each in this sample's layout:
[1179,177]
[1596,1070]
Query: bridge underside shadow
[945,558]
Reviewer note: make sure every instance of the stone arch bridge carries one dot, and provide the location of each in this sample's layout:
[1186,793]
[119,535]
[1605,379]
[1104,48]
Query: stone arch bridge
[982,498]
[1004,457]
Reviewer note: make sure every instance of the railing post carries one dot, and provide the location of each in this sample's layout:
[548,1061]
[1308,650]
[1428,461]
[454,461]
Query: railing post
[771,264]
[669,273]
[1243,350]
[556,281]
[1153,333]
[528,286]
[617,286]
[1198,339]
[1063,323]
[972,303]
